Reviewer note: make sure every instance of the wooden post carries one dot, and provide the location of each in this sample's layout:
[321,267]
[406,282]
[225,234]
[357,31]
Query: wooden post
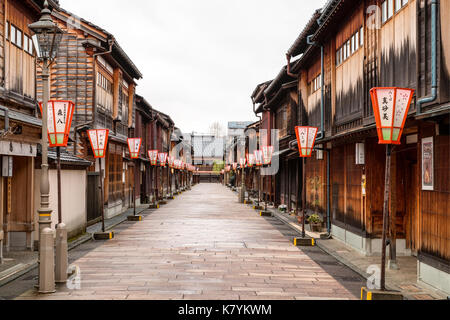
[387,191]
[393,212]
[102,196]
[304,198]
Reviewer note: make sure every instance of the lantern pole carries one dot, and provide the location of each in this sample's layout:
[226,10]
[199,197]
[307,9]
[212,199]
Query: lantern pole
[387,191]
[250,173]
[169,181]
[58,167]
[243,183]
[102,196]
[134,188]
[304,198]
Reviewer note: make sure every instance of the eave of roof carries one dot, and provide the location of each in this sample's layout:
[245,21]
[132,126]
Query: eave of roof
[69,159]
[280,94]
[118,52]
[257,94]
[334,10]
[281,79]
[301,42]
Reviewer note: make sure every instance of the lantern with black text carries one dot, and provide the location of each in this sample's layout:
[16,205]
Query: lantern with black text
[235,166]
[391,107]
[162,157]
[134,146]
[242,162]
[60,114]
[153,156]
[258,158]
[267,155]
[306,138]
[99,142]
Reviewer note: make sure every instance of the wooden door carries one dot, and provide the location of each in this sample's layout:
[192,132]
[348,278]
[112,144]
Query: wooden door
[412,208]
[93,198]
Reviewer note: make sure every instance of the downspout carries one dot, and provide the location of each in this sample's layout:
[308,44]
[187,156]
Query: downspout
[434,85]
[321,134]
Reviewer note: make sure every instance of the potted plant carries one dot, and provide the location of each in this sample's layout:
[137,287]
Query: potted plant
[315,221]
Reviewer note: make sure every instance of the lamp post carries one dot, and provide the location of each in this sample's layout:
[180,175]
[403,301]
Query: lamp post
[171,163]
[242,163]
[250,163]
[306,138]
[267,156]
[162,163]
[259,164]
[99,143]
[134,146]
[391,106]
[59,121]
[46,39]
[153,156]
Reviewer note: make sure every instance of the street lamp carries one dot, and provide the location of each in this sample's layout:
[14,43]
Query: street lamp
[171,161]
[162,157]
[99,142]
[306,138]
[59,122]
[134,146]
[153,156]
[259,164]
[391,107]
[242,163]
[267,159]
[250,162]
[47,37]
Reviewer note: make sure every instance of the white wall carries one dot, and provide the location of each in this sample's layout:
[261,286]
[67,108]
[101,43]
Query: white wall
[73,198]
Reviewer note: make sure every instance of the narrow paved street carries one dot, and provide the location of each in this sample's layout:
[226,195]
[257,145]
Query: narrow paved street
[204,245]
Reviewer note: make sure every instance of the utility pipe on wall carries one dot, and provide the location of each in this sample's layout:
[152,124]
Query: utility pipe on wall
[434,85]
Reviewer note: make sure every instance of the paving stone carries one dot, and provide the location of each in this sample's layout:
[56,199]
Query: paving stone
[204,246]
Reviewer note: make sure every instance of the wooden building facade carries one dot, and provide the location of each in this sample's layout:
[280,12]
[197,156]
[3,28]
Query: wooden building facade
[346,49]
[20,131]
[94,72]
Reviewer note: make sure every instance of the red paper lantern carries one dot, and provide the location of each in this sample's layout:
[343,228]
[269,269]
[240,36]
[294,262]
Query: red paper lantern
[250,160]
[59,121]
[99,142]
[306,138]
[171,161]
[153,156]
[134,146]
[268,154]
[259,158]
[391,107]
[162,157]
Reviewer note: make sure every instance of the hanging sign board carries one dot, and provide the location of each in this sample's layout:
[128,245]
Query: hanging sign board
[428,164]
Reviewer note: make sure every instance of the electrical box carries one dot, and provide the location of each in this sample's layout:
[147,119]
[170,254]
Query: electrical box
[360,154]
[7,166]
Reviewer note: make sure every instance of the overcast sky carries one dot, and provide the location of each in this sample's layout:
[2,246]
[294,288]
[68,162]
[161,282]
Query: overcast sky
[201,59]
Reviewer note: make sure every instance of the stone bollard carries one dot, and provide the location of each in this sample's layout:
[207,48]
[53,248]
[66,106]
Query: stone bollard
[47,262]
[62,259]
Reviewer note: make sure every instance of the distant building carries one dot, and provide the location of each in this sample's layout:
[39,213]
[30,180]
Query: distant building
[207,149]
